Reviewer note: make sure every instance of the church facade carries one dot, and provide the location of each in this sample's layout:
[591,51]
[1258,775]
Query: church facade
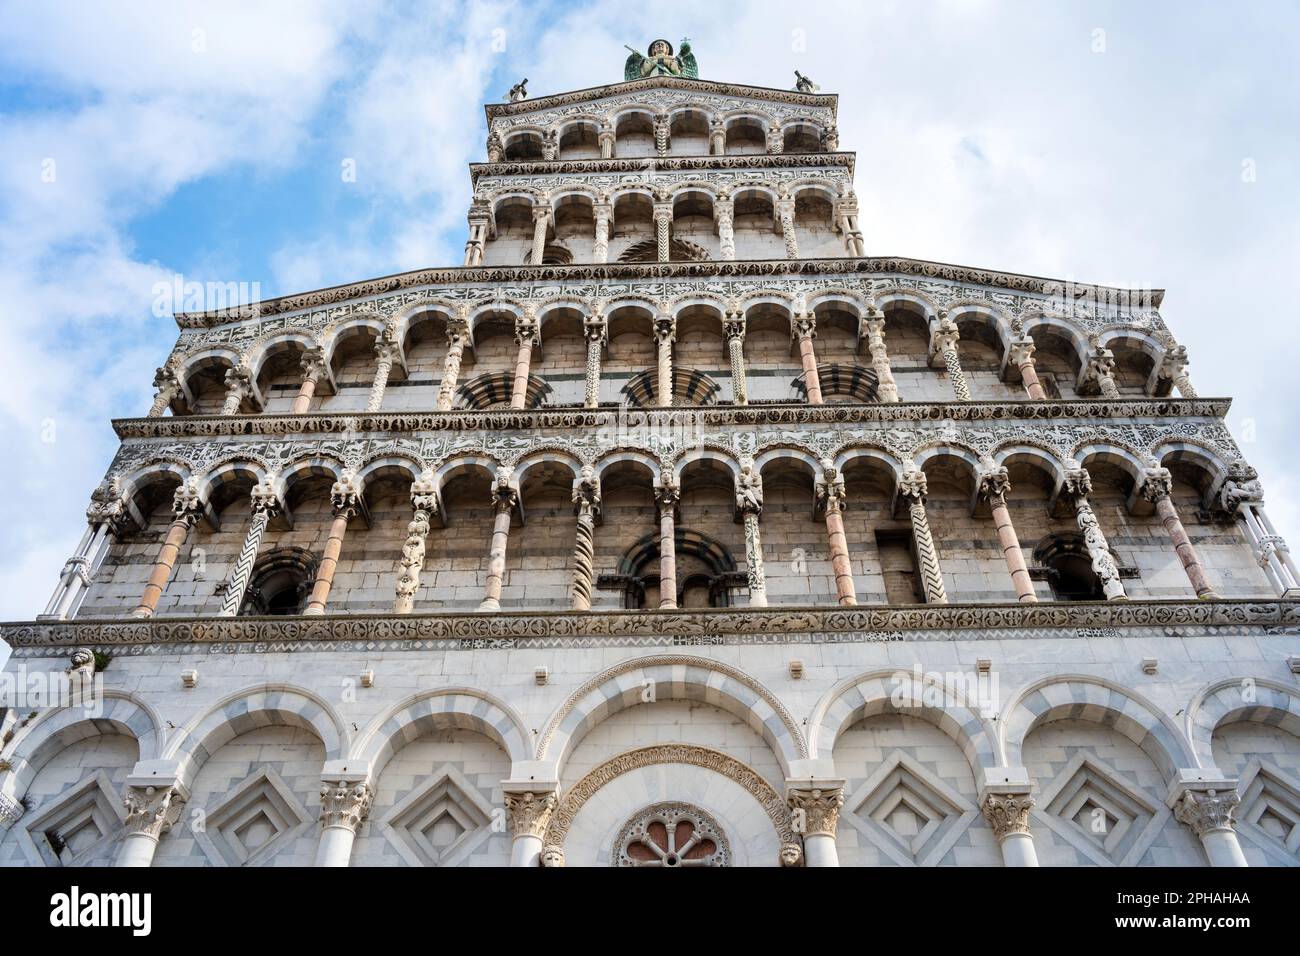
[672,528]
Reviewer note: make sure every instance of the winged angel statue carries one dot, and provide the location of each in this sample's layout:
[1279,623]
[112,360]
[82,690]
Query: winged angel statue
[660,61]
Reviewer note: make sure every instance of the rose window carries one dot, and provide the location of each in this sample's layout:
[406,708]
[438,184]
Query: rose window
[671,835]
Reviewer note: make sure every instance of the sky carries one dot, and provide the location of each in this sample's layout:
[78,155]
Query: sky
[289,146]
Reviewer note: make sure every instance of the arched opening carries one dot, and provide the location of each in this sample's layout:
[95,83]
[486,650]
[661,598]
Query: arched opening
[633,222]
[281,582]
[575,230]
[524,146]
[799,137]
[693,220]
[579,140]
[689,133]
[634,134]
[1068,568]
[706,571]
[746,135]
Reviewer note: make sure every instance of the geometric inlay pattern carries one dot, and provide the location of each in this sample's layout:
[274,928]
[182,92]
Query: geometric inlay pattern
[77,826]
[259,817]
[1093,808]
[908,812]
[1269,813]
[439,823]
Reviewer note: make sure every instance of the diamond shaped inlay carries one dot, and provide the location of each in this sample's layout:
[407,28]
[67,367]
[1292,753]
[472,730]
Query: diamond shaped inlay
[259,817]
[440,822]
[1092,807]
[908,812]
[1269,813]
[76,827]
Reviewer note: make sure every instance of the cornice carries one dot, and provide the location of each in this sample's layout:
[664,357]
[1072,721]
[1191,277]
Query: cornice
[785,414]
[614,271]
[542,167]
[594,93]
[521,627]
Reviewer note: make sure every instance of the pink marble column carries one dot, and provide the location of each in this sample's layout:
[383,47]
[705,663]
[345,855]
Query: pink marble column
[313,367]
[187,509]
[1156,488]
[1022,357]
[345,497]
[667,497]
[525,338]
[831,498]
[505,497]
[805,328]
[994,485]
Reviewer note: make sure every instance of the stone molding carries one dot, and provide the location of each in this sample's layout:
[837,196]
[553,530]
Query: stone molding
[577,796]
[784,413]
[539,167]
[714,270]
[541,625]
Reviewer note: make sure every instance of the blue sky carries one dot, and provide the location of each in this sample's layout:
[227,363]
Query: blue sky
[1148,144]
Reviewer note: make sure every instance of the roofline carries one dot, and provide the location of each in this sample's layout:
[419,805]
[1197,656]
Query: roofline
[590,93]
[333,295]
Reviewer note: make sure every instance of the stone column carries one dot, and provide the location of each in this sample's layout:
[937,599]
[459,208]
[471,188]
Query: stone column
[480,219]
[457,336]
[1173,366]
[662,132]
[846,214]
[151,810]
[943,340]
[1021,356]
[830,498]
[993,486]
[1008,816]
[667,497]
[815,813]
[541,220]
[606,139]
[550,145]
[886,388]
[724,215]
[749,507]
[586,505]
[597,332]
[495,151]
[717,137]
[344,806]
[1077,487]
[530,814]
[505,498]
[266,505]
[168,386]
[239,389]
[663,220]
[1157,485]
[424,501]
[1209,815]
[665,335]
[345,497]
[188,509]
[385,352]
[604,214]
[526,332]
[785,213]
[1101,372]
[313,368]
[912,489]
[733,327]
[77,570]
[804,326]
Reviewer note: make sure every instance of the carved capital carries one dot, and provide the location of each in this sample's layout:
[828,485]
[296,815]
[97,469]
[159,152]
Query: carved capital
[187,504]
[1007,813]
[665,328]
[913,485]
[994,483]
[264,500]
[804,325]
[530,812]
[1077,484]
[733,325]
[1206,811]
[313,364]
[1021,352]
[586,492]
[345,495]
[829,489]
[424,493]
[505,496]
[345,804]
[815,812]
[945,335]
[749,490]
[1240,487]
[667,495]
[152,811]
[1157,483]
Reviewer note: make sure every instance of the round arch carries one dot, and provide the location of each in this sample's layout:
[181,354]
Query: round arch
[1239,698]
